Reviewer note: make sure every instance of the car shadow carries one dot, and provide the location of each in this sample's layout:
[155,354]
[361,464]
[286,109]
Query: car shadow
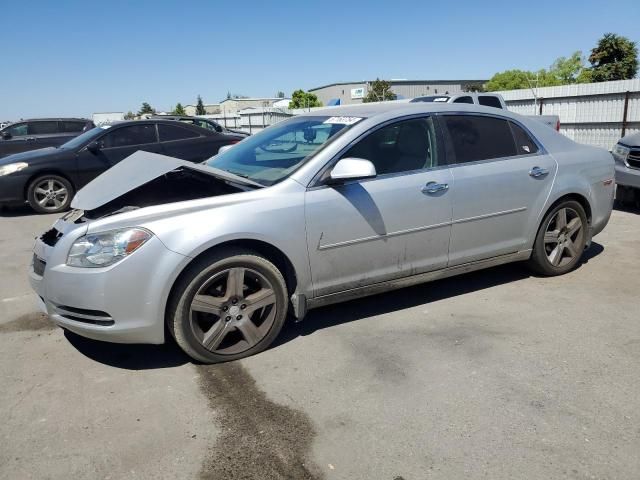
[129,356]
[353,310]
[146,357]
[17,211]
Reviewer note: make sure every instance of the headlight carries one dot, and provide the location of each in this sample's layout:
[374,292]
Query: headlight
[621,152]
[12,168]
[107,248]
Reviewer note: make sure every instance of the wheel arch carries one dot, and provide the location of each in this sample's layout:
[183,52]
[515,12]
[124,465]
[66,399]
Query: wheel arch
[265,249]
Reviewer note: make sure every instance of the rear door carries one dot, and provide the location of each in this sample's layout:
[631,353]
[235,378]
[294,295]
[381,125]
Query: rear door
[188,143]
[114,146]
[44,133]
[502,180]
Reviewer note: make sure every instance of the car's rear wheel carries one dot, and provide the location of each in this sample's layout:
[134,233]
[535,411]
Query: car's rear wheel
[561,239]
[228,306]
[50,194]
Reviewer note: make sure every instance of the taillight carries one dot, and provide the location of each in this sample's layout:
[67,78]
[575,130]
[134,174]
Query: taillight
[558,125]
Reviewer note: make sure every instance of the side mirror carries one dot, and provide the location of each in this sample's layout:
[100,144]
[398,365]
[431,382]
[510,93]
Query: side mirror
[352,169]
[95,146]
[219,129]
[6,135]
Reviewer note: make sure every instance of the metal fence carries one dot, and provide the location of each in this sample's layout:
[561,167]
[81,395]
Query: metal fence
[251,120]
[590,113]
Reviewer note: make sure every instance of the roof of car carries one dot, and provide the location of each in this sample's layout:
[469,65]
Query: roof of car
[378,108]
[55,119]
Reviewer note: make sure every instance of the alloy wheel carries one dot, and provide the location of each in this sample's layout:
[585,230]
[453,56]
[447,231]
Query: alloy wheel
[233,310]
[51,194]
[563,237]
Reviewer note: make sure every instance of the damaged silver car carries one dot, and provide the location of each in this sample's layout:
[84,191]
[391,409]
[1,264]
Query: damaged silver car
[320,208]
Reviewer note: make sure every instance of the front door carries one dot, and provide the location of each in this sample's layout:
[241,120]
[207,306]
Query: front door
[394,225]
[502,181]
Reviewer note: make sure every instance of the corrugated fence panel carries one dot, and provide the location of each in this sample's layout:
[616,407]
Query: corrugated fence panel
[590,113]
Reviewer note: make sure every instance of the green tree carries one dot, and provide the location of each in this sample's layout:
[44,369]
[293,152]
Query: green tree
[129,115]
[614,58]
[280,94]
[228,95]
[569,69]
[379,91]
[302,99]
[200,110]
[179,110]
[146,109]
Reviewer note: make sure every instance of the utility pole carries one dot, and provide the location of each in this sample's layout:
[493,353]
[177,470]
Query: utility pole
[535,96]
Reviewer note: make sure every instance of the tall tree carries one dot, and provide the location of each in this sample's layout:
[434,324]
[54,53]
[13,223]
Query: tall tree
[614,58]
[129,115]
[280,94]
[569,69]
[146,109]
[302,99]
[200,110]
[379,91]
[179,110]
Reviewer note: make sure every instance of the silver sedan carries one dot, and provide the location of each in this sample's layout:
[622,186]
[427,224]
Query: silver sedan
[320,208]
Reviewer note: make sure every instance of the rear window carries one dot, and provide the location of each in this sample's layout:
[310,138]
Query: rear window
[489,101]
[42,128]
[524,143]
[477,138]
[466,99]
[169,133]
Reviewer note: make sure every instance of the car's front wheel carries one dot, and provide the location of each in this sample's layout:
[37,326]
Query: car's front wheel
[227,306]
[561,239]
[50,194]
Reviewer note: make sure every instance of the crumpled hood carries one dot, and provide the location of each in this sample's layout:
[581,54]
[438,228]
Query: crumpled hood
[136,170]
[30,155]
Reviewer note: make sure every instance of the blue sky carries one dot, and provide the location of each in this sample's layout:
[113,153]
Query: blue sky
[75,58]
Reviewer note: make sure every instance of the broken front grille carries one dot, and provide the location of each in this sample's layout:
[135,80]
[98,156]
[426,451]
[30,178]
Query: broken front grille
[51,237]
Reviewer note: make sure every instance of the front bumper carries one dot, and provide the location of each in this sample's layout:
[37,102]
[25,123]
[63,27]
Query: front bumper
[12,188]
[629,177]
[123,303]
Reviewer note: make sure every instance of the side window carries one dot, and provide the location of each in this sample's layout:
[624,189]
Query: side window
[131,135]
[466,99]
[171,132]
[489,101]
[71,127]
[399,147]
[17,130]
[524,143]
[42,128]
[479,138]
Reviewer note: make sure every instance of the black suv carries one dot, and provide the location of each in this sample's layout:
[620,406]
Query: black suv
[40,133]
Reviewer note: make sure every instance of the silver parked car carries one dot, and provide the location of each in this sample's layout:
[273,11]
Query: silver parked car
[317,209]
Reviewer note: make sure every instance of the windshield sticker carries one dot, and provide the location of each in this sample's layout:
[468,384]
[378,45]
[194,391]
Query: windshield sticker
[441,99]
[343,120]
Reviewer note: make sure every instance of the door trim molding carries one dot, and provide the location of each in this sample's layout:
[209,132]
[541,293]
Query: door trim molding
[372,238]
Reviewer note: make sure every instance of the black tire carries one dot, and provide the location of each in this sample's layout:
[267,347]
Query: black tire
[209,278]
[544,258]
[44,199]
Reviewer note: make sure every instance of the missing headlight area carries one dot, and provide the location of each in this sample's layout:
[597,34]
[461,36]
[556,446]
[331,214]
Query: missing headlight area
[176,186]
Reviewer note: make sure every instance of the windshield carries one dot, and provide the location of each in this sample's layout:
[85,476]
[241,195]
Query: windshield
[84,138]
[274,153]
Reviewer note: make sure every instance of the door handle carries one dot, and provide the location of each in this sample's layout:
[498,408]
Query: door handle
[537,172]
[434,187]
